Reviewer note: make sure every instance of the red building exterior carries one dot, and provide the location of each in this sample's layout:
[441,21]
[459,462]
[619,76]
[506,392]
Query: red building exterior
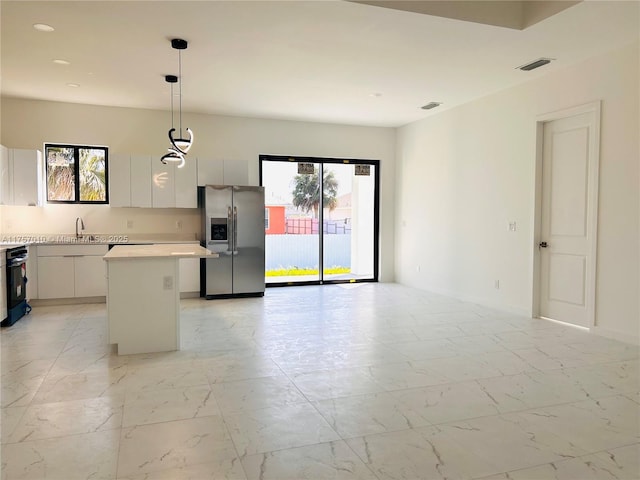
[274,223]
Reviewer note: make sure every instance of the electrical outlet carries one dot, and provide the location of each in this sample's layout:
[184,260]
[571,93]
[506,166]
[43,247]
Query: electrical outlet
[167,283]
[129,223]
[417,268]
[496,284]
[179,225]
[512,226]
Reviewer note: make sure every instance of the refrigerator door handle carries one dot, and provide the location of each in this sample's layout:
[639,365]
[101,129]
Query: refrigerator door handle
[230,228]
[235,230]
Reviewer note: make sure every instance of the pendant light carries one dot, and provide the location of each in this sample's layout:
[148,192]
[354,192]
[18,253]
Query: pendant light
[179,146]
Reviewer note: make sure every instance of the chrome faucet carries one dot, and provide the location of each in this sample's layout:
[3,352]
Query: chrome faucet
[81,226]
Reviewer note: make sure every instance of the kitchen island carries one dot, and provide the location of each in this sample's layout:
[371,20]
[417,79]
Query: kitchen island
[143,298]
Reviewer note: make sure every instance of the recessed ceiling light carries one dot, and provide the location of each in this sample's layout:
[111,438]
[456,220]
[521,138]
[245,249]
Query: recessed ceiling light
[73,85]
[431,105]
[43,27]
[59,61]
[535,64]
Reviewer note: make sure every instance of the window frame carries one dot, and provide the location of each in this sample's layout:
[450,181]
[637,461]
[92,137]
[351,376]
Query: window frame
[76,172]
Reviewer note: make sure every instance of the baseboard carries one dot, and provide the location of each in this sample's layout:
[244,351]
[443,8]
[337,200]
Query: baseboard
[483,302]
[189,294]
[617,335]
[42,302]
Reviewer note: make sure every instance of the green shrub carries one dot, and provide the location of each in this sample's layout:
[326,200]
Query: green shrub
[291,272]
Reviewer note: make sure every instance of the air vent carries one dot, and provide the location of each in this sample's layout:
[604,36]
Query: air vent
[535,64]
[431,105]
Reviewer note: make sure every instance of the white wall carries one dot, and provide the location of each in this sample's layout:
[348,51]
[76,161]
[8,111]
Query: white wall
[464,174]
[30,123]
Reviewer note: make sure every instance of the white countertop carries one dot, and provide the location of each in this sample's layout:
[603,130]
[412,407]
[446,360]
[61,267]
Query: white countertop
[164,250]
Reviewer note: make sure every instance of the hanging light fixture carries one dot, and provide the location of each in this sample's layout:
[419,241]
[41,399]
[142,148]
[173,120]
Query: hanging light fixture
[179,146]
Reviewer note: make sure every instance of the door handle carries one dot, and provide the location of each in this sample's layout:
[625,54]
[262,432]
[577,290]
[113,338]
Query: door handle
[230,227]
[235,230]
[543,245]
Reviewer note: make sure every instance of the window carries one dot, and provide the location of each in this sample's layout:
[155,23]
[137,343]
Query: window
[266,219]
[76,173]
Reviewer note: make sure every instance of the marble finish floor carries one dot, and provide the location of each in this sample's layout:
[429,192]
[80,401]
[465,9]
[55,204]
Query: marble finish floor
[363,381]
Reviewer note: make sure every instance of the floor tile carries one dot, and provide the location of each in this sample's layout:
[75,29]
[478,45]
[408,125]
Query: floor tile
[529,390]
[400,376]
[86,362]
[450,402]
[278,428]
[606,379]
[74,457]
[9,419]
[234,397]
[425,349]
[93,384]
[360,415]
[326,461]
[169,445]
[336,383]
[510,441]
[163,405]
[220,466]
[592,425]
[60,419]
[18,392]
[166,376]
[418,453]
[621,464]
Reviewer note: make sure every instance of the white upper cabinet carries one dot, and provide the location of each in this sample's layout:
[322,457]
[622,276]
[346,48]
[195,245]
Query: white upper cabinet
[163,184]
[210,172]
[186,183]
[222,172]
[141,181]
[4,176]
[144,181]
[119,180]
[21,177]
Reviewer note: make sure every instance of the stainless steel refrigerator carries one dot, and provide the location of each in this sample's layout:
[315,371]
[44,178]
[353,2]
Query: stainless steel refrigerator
[233,227]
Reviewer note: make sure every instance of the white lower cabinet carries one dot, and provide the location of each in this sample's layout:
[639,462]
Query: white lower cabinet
[32,272]
[55,277]
[71,271]
[189,275]
[78,271]
[90,276]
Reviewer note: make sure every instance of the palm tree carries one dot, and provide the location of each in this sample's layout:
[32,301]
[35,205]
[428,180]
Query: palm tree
[306,191]
[92,175]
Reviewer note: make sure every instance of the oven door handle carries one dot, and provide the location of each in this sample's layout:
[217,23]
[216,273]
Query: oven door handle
[13,262]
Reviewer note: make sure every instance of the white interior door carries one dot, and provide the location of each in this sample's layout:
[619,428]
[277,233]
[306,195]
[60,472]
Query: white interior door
[569,203]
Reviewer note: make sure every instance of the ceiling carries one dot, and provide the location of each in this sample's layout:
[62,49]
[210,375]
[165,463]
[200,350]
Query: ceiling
[323,61]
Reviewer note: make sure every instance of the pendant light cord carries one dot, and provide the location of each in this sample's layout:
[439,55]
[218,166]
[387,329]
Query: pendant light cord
[180,80]
[171,105]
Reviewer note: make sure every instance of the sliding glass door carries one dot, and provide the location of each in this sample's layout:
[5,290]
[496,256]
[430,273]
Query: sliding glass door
[314,237]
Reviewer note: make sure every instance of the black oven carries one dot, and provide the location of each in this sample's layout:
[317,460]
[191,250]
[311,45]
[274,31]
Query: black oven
[17,305]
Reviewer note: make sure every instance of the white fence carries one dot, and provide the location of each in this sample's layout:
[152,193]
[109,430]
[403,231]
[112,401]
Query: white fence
[301,251]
